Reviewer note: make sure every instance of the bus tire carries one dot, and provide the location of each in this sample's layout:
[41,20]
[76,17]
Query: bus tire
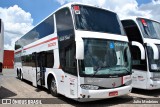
[53,87]
[21,75]
[18,74]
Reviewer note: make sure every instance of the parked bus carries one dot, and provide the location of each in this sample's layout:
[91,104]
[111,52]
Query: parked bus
[79,51]
[1,47]
[146,69]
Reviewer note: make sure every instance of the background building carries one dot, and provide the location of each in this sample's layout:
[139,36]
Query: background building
[8,61]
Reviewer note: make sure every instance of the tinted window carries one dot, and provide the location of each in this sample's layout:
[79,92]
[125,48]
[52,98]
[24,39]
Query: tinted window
[98,20]
[150,29]
[43,29]
[50,59]
[65,32]
[70,61]
[44,58]
[132,31]
[154,65]
[27,60]
[137,63]
[134,34]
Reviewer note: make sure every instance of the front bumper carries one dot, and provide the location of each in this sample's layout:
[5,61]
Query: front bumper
[91,95]
[151,85]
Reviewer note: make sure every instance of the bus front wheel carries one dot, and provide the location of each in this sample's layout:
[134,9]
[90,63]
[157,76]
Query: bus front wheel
[53,87]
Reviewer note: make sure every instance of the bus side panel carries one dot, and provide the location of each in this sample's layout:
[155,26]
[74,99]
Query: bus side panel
[71,86]
[27,73]
[139,79]
[153,84]
[59,77]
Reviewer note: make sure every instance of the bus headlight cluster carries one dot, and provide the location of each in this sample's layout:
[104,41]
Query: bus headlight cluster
[128,82]
[89,87]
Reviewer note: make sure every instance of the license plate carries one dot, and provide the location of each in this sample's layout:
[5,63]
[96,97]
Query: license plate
[114,93]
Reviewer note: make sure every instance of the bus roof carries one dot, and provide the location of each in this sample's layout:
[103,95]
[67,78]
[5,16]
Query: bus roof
[67,5]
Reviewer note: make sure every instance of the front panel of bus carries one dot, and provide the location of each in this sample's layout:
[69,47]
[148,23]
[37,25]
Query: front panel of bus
[104,62]
[151,34]
[145,70]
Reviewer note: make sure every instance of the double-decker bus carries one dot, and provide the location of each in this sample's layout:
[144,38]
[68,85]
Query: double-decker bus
[145,56]
[1,47]
[79,51]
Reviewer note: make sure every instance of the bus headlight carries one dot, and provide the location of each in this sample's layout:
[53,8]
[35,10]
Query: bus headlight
[89,87]
[128,82]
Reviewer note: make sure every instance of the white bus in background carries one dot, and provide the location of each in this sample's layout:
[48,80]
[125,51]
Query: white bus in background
[145,55]
[1,47]
[79,51]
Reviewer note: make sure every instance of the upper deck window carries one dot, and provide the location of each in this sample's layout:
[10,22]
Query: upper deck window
[42,30]
[98,20]
[150,28]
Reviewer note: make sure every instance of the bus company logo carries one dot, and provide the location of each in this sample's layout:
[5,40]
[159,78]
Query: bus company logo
[140,78]
[52,44]
[114,84]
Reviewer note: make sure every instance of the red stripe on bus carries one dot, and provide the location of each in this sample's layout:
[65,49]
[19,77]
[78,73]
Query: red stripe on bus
[41,43]
[38,44]
[18,51]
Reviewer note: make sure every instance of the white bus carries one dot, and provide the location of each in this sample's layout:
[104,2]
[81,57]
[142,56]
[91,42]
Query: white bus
[79,51]
[146,69]
[1,48]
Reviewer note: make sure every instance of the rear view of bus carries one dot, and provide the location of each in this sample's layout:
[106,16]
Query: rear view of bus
[1,47]
[145,36]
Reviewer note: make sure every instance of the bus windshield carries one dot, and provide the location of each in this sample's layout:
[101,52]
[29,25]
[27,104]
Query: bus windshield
[105,58]
[150,29]
[97,20]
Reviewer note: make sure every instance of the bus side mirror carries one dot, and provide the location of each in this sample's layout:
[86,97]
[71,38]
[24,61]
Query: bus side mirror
[80,50]
[140,46]
[155,50]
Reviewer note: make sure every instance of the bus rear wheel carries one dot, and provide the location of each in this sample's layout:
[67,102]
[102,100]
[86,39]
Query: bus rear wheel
[53,87]
[21,75]
[18,74]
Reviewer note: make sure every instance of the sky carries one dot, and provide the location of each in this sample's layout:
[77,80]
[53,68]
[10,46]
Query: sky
[19,16]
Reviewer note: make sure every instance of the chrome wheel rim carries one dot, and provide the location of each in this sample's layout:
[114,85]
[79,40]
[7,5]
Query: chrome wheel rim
[53,86]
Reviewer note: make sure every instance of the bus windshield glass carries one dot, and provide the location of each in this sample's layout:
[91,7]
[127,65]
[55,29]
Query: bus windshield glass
[97,20]
[150,29]
[105,58]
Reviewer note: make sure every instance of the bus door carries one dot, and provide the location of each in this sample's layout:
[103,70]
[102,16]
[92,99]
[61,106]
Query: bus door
[40,68]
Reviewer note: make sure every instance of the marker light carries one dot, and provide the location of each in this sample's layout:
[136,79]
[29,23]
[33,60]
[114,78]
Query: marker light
[143,22]
[76,8]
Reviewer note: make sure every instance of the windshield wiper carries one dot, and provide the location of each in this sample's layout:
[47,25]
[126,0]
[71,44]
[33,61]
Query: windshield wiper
[122,69]
[98,68]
